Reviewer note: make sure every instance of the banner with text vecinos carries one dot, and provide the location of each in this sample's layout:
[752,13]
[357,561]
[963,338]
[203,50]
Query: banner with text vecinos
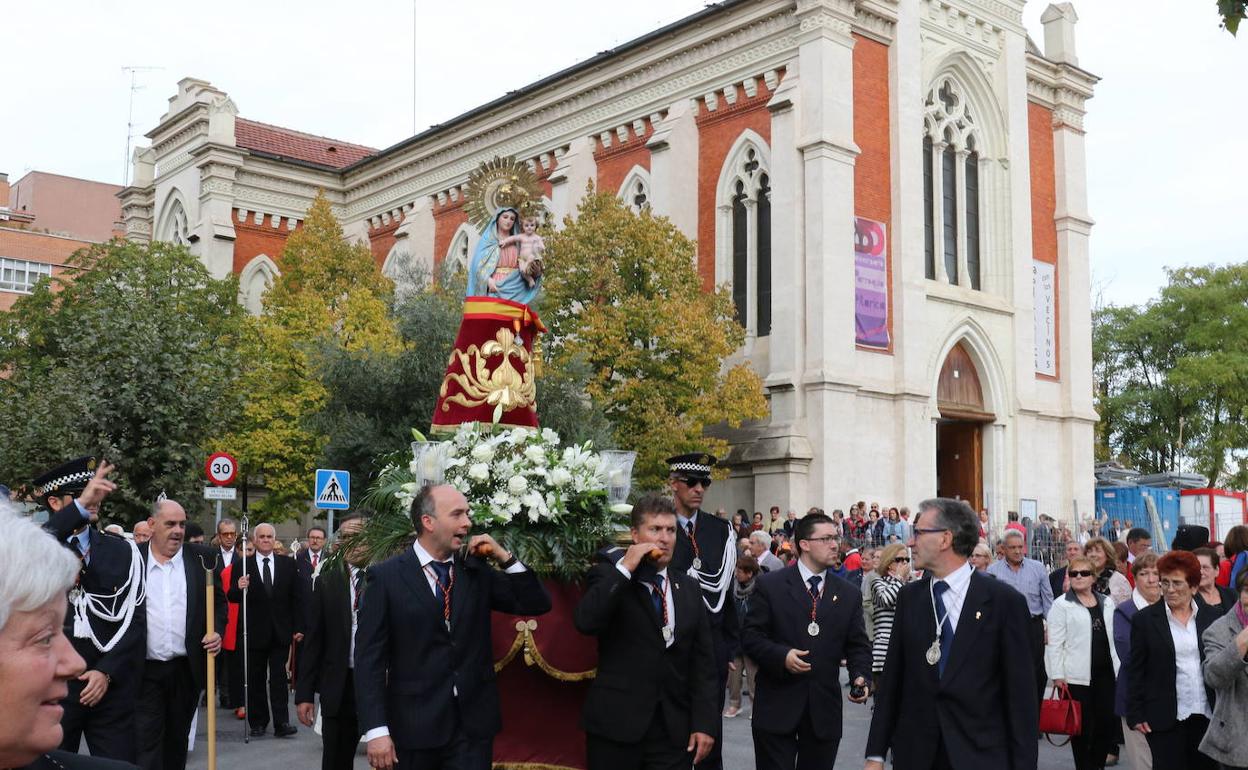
[1043,284]
[871,283]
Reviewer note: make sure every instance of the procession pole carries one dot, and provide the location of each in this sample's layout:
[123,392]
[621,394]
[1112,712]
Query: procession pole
[210,611]
[246,652]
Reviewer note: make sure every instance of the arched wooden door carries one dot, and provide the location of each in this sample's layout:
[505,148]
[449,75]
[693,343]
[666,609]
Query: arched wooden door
[960,429]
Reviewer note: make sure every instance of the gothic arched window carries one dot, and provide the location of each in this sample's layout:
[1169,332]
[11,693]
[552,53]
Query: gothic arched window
[174,225]
[635,191]
[744,233]
[951,223]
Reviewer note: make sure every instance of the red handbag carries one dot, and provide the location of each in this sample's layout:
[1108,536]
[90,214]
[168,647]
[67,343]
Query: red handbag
[1060,714]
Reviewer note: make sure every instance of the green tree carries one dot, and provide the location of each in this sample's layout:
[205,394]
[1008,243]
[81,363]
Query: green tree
[623,299]
[330,296]
[1172,376]
[131,354]
[1232,13]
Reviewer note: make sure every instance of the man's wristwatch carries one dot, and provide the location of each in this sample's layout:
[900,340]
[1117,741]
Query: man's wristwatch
[509,563]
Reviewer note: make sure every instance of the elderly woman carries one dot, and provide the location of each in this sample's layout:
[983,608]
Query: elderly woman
[1210,593]
[1109,581]
[981,557]
[1226,649]
[892,572]
[1079,654]
[36,659]
[1147,591]
[1166,696]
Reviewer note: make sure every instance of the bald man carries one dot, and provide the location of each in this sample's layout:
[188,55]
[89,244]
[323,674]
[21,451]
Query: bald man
[178,644]
[273,621]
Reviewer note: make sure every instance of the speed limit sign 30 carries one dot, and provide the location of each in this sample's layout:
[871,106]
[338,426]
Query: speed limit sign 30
[221,468]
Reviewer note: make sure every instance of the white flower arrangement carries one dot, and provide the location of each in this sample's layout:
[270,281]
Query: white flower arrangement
[516,473]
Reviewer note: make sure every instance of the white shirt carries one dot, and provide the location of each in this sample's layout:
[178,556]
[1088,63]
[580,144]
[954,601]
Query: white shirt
[314,558]
[227,556]
[806,574]
[959,581]
[425,558]
[1189,684]
[166,608]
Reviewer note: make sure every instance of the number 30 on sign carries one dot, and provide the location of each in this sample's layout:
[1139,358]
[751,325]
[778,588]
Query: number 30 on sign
[221,468]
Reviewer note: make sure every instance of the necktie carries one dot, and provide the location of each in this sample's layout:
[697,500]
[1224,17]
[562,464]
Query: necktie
[443,584]
[267,575]
[814,586]
[357,590]
[315,557]
[656,595]
[689,528]
[946,628]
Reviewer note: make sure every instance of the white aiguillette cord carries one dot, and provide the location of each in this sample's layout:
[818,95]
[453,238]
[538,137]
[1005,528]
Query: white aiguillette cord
[105,607]
[718,581]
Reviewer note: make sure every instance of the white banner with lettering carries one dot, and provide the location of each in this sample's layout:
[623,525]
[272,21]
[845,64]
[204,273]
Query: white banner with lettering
[1045,288]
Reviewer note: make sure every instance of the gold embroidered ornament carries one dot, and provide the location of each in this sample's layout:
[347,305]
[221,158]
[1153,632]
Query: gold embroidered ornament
[501,183]
[505,388]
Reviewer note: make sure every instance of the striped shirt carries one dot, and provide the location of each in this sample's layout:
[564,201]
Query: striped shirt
[884,598]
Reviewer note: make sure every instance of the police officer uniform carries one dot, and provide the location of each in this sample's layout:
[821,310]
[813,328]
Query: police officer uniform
[706,549]
[101,621]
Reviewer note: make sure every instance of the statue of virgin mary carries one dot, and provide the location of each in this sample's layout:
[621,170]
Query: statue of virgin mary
[493,271]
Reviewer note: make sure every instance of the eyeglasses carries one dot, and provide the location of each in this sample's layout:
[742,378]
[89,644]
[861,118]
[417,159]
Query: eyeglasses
[704,483]
[929,530]
[901,560]
[824,539]
[1074,573]
[1173,583]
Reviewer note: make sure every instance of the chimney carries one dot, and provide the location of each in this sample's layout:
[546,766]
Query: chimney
[1059,33]
[4,190]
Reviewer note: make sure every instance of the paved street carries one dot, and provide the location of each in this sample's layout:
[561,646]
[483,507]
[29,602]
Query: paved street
[304,750]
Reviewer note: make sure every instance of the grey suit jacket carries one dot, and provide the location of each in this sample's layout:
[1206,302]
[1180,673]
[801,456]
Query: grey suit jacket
[1227,673]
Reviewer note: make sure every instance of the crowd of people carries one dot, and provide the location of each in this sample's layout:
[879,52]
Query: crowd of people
[948,631]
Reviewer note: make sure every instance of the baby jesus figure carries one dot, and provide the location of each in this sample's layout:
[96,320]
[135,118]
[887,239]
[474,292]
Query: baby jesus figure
[531,248]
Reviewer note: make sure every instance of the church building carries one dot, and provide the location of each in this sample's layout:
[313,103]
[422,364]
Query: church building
[894,191]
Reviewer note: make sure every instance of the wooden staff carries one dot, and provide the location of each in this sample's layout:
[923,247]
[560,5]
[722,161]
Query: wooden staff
[210,611]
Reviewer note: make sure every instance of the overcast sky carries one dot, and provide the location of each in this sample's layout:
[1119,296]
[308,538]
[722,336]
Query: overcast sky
[1167,170]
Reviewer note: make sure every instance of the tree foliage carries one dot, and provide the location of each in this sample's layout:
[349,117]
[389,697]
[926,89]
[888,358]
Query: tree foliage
[1232,13]
[329,298]
[131,354]
[623,298]
[1172,376]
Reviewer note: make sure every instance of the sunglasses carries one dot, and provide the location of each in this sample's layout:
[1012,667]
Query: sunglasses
[1080,573]
[704,483]
[901,560]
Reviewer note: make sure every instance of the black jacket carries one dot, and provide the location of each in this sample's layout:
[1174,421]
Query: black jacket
[407,665]
[637,672]
[326,647]
[777,622]
[63,760]
[273,617]
[196,612]
[1151,669]
[106,572]
[713,535]
[985,708]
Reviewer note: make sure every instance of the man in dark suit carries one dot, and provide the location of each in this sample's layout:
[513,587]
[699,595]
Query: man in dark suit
[274,619]
[706,547]
[327,659]
[1057,578]
[653,703]
[424,670]
[101,700]
[308,559]
[803,621]
[958,688]
[178,640]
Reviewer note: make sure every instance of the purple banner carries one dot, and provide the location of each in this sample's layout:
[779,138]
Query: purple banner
[871,283]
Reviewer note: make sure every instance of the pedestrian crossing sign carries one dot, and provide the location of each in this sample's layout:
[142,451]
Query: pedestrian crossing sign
[333,489]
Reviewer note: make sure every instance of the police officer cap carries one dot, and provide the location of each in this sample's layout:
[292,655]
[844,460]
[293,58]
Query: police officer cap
[68,479]
[695,465]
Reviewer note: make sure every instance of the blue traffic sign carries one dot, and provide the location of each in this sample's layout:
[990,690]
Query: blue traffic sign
[333,489]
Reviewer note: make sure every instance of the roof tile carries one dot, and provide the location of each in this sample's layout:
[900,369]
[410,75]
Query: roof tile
[296,145]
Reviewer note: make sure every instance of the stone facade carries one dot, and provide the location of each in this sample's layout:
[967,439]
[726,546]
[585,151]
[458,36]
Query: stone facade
[763,128]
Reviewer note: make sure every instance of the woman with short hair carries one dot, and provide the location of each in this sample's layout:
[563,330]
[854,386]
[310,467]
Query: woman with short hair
[36,659]
[981,557]
[1078,654]
[1166,696]
[1147,591]
[1226,649]
[1210,594]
